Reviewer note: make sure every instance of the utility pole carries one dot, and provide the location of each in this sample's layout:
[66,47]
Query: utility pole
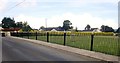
[46,23]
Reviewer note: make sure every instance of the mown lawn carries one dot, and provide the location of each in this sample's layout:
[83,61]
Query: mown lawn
[104,44]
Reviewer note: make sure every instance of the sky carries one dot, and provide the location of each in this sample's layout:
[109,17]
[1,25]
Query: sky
[53,12]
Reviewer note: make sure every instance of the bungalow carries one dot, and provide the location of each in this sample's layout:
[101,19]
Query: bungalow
[8,30]
[96,30]
[92,30]
[1,28]
[52,29]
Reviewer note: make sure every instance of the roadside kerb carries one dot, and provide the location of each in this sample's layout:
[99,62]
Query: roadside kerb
[92,54]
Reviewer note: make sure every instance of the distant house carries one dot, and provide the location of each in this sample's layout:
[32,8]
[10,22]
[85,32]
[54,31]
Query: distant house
[52,29]
[1,28]
[96,30]
[8,30]
[35,29]
[92,30]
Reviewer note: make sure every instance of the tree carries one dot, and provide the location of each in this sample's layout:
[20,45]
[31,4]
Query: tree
[87,27]
[71,27]
[118,30]
[66,25]
[106,29]
[42,27]
[102,28]
[76,29]
[19,24]
[26,27]
[59,27]
[8,22]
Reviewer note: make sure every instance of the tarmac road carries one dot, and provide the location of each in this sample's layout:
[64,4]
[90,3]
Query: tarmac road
[21,50]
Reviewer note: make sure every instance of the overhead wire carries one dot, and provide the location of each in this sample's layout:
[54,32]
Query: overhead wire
[4,12]
[14,6]
[17,5]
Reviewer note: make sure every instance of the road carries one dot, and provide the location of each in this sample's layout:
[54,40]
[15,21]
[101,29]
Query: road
[21,50]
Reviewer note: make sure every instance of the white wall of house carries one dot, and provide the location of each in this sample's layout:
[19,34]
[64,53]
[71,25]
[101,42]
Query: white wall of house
[53,30]
[1,28]
[7,33]
[96,30]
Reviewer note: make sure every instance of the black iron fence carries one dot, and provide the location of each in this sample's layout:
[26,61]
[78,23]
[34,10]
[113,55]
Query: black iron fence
[108,44]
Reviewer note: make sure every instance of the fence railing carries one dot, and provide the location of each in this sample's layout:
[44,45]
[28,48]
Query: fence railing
[105,44]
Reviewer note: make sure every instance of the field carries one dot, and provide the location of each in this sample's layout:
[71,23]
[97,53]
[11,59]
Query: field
[104,44]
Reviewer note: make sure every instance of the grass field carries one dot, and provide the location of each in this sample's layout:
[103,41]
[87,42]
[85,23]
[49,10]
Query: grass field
[104,44]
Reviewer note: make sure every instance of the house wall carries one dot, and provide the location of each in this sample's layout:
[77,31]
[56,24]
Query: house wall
[7,33]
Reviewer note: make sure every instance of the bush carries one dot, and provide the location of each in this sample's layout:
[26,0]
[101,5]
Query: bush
[69,33]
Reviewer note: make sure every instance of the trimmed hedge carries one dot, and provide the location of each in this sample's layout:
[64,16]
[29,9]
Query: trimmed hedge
[62,33]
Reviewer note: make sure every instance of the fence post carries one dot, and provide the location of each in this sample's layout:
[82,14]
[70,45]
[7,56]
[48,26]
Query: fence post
[91,47]
[36,35]
[47,36]
[64,39]
[119,43]
[17,34]
[21,34]
[28,35]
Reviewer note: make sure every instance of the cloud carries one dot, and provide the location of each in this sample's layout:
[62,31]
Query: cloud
[34,22]
[26,3]
[3,4]
[79,21]
[98,1]
[82,20]
[82,1]
[79,3]
[29,3]
[94,1]
[73,3]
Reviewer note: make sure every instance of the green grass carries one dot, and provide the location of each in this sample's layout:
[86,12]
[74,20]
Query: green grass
[82,42]
[104,44]
[57,39]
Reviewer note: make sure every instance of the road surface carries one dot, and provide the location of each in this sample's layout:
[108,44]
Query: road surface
[21,50]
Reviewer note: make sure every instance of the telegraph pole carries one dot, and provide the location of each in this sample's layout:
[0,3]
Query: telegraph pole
[46,23]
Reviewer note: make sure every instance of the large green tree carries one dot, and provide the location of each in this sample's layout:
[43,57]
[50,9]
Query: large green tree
[7,22]
[66,25]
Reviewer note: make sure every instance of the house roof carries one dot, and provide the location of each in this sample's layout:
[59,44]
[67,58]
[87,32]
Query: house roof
[10,29]
[92,29]
[55,28]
